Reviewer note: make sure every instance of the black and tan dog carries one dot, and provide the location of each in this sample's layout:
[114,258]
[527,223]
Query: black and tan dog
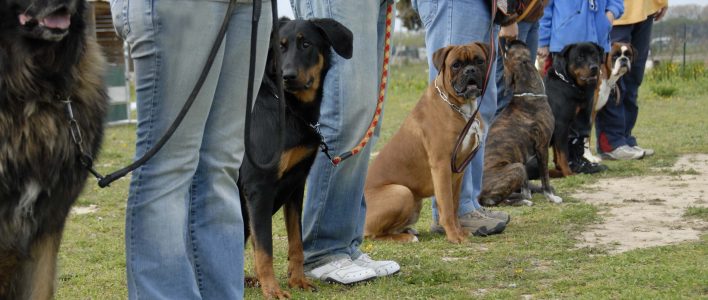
[47,60]
[570,86]
[305,47]
[415,163]
[521,132]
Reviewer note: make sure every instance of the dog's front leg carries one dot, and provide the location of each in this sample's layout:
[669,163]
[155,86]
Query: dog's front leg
[293,212]
[542,155]
[442,185]
[260,209]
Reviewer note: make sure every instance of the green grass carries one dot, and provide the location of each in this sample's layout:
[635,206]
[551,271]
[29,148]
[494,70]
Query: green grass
[535,256]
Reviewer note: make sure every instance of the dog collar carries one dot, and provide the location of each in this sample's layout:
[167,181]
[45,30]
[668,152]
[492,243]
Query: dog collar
[529,94]
[454,107]
[561,76]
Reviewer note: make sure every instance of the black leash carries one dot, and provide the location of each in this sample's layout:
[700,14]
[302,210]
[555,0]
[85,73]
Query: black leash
[104,181]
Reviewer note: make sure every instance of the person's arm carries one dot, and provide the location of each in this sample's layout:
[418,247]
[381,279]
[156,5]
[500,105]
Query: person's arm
[614,9]
[660,13]
[509,32]
[544,30]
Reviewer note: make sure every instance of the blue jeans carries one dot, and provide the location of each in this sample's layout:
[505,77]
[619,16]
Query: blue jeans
[456,23]
[615,121]
[334,209]
[528,33]
[184,229]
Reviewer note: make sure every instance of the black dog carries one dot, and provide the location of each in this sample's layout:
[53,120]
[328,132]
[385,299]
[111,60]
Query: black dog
[305,47]
[570,86]
[521,132]
[47,60]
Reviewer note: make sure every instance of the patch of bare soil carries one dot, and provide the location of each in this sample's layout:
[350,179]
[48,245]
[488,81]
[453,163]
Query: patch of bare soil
[647,211]
[83,210]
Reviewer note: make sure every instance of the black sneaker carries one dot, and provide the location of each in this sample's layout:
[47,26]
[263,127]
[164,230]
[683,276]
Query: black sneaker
[583,166]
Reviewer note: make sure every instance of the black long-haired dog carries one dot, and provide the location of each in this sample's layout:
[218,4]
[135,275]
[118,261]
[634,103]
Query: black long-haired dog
[46,58]
[305,47]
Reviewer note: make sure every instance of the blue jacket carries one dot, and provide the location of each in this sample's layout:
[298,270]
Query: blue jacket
[572,21]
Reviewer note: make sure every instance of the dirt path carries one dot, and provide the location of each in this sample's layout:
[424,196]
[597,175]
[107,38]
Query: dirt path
[647,211]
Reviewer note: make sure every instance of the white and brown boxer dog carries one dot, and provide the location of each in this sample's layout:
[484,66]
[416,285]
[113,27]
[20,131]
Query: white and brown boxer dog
[617,63]
[416,162]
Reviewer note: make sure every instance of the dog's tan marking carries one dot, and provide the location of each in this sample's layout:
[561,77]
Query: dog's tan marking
[40,283]
[313,73]
[266,276]
[296,273]
[292,157]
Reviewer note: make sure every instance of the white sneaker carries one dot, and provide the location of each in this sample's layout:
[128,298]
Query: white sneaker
[342,271]
[647,151]
[624,152]
[381,267]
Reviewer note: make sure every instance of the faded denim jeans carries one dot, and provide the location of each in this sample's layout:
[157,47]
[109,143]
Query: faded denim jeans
[184,229]
[334,209]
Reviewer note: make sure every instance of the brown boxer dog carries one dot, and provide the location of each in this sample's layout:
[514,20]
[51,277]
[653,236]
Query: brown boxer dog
[416,162]
[521,132]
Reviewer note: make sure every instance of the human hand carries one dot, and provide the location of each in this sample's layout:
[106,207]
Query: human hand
[610,16]
[509,32]
[542,53]
[660,13]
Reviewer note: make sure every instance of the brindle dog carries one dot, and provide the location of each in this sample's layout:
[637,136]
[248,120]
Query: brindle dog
[520,133]
[46,59]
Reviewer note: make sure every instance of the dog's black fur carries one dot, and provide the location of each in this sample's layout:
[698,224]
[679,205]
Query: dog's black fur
[305,47]
[43,59]
[570,86]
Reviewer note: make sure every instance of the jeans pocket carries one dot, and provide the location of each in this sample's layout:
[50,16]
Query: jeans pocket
[119,13]
[426,10]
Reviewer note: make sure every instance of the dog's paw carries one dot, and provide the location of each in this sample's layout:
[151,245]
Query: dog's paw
[554,198]
[302,283]
[526,194]
[525,202]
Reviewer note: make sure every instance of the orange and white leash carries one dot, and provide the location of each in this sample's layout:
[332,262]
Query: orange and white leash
[382,93]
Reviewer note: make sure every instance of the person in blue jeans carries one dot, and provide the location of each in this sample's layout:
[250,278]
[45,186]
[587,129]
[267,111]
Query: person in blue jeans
[616,121]
[525,30]
[184,229]
[446,23]
[572,21]
[334,209]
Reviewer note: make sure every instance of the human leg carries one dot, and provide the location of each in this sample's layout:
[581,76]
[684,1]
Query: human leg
[215,222]
[640,39]
[334,210]
[161,259]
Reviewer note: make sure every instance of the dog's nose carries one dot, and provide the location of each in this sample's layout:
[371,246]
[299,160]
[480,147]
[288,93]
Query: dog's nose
[470,71]
[593,70]
[289,75]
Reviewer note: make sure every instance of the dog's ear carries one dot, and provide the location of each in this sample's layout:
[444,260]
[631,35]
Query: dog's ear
[282,21]
[601,52]
[339,37]
[560,60]
[485,47]
[439,57]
